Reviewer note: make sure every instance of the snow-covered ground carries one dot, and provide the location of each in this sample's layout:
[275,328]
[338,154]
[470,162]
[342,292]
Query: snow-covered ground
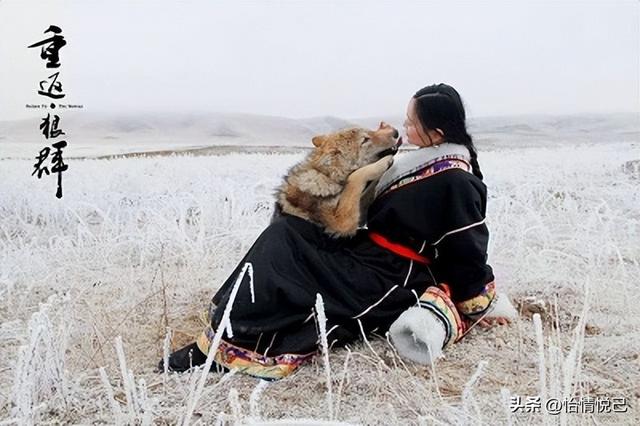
[138,245]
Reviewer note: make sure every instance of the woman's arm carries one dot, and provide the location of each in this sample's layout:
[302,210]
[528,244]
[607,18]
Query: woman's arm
[460,255]
[461,261]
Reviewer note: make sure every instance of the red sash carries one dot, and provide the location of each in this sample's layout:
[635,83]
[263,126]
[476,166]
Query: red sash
[398,249]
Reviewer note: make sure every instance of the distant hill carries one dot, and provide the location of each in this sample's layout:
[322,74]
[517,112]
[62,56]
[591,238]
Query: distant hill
[90,134]
[215,127]
[542,130]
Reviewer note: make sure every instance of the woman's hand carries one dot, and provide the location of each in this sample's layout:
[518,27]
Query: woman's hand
[487,323]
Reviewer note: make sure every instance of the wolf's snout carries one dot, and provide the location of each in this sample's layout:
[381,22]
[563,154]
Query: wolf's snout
[385,126]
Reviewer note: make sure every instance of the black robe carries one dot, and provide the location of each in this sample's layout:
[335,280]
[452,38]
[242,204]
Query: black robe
[364,287]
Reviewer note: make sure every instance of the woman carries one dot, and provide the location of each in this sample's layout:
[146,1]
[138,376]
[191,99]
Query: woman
[425,228]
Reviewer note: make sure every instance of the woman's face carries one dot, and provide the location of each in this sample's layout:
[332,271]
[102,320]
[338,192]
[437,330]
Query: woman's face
[415,134]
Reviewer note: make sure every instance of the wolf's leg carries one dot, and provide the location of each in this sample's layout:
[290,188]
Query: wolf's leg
[344,220]
[368,195]
[372,171]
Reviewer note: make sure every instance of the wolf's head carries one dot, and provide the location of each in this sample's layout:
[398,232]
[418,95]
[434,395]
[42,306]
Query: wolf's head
[341,153]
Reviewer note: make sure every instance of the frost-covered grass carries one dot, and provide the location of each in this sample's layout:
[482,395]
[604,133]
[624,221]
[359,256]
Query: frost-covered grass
[91,284]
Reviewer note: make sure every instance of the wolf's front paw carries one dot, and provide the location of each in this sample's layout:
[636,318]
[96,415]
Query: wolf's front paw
[373,171]
[386,162]
[381,166]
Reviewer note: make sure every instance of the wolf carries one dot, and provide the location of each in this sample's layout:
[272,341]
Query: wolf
[331,186]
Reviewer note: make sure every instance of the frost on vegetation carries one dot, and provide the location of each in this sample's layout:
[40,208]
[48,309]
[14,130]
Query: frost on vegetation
[140,253]
[42,381]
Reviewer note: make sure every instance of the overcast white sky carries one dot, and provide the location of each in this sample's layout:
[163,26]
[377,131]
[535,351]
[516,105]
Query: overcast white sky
[312,58]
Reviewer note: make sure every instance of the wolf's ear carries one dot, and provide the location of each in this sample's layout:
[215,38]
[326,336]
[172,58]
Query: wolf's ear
[318,140]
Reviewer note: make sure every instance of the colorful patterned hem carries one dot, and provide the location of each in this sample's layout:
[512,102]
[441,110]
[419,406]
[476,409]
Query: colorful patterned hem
[250,362]
[440,165]
[437,300]
[478,306]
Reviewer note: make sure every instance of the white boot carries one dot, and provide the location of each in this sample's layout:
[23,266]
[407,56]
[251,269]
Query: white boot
[418,335]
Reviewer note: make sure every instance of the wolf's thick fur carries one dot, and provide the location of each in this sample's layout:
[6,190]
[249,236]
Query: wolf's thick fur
[327,186]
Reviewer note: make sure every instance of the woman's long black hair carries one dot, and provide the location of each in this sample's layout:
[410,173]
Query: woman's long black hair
[439,106]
